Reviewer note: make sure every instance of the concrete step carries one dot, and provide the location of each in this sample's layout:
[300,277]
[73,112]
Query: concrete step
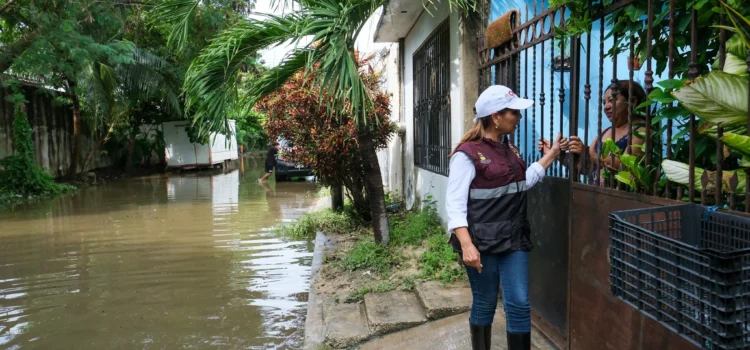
[440,301]
[393,311]
[450,333]
[346,324]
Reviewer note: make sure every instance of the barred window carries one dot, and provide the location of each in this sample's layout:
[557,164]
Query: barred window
[432,115]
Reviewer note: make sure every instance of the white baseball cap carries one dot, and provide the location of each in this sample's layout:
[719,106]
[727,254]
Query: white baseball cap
[496,98]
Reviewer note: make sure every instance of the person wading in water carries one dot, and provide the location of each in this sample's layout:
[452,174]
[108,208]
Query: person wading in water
[270,161]
[486,205]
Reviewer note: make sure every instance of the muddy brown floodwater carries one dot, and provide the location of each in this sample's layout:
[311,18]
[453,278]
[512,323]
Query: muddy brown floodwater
[162,262]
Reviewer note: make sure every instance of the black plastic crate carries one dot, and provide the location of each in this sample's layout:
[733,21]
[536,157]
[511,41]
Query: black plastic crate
[686,267]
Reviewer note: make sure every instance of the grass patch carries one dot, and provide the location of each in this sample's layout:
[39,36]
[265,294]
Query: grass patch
[439,262]
[415,231]
[412,227]
[368,255]
[418,250]
[323,192]
[324,220]
[359,294]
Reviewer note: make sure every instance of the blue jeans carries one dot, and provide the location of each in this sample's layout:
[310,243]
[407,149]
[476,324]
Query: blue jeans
[512,269]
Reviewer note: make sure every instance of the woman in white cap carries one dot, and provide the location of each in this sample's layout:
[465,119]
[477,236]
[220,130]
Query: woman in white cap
[486,205]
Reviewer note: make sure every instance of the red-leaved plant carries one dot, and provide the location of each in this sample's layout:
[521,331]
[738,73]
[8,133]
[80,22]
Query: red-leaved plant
[325,140]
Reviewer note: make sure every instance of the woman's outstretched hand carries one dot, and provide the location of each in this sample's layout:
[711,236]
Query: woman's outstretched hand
[557,146]
[560,144]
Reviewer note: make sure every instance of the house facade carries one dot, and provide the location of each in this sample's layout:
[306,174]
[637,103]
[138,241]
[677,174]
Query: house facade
[438,61]
[433,71]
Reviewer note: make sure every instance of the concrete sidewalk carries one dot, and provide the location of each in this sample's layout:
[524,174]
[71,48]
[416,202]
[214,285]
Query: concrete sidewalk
[449,333]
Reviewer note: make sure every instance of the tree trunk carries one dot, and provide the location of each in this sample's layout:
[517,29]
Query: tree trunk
[337,198]
[355,190]
[98,145]
[131,146]
[373,184]
[76,148]
[91,153]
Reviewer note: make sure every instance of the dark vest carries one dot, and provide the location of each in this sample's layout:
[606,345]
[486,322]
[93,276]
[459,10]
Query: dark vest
[496,211]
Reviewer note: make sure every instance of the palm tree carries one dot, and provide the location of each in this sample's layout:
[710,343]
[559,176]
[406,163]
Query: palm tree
[114,94]
[330,28]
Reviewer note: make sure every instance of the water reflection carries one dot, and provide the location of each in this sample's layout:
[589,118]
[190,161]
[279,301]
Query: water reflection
[159,262]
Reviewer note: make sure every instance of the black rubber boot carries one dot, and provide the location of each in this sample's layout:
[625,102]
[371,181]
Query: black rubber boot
[519,341]
[479,337]
[488,337]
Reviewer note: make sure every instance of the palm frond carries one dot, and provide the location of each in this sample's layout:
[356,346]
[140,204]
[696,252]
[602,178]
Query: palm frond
[150,78]
[178,13]
[464,6]
[274,78]
[335,52]
[211,82]
[99,86]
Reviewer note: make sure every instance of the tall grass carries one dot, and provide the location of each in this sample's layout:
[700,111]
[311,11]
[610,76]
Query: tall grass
[325,220]
[413,228]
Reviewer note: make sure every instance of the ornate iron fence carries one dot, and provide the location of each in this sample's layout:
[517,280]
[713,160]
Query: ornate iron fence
[568,74]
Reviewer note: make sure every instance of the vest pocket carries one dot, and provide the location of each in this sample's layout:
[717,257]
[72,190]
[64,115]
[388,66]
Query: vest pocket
[492,236]
[495,170]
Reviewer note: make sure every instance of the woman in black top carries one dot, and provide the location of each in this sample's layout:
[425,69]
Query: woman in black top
[270,161]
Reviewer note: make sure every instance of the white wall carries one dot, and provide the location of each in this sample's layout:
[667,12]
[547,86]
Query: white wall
[421,183]
[390,158]
[364,42]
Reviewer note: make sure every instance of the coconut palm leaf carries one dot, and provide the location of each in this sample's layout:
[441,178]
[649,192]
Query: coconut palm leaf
[275,77]
[150,78]
[99,85]
[211,80]
[333,26]
[180,13]
[111,91]
[464,6]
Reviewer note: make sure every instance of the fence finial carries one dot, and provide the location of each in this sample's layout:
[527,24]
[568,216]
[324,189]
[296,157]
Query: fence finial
[527,12]
[704,190]
[734,181]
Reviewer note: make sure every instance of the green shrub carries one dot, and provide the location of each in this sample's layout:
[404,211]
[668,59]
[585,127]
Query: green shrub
[19,175]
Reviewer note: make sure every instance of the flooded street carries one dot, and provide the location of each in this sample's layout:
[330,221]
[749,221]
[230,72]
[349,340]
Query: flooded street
[160,262]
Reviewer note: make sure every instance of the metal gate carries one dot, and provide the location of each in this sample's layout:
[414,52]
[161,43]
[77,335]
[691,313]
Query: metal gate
[568,77]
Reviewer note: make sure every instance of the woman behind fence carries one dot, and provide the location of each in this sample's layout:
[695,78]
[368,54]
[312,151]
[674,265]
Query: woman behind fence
[617,113]
[486,205]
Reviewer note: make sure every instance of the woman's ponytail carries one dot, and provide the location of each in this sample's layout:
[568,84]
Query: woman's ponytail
[474,134]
